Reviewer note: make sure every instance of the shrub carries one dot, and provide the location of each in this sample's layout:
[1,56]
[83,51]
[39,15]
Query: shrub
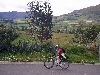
[75,49]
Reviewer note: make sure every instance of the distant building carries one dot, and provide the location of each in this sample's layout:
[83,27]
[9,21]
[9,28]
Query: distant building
[90,22]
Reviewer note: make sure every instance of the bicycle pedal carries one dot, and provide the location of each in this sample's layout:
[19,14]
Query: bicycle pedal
[56,65]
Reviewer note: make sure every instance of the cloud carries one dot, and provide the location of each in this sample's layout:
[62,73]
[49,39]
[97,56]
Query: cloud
[67,6]
[59,7]
[2,4]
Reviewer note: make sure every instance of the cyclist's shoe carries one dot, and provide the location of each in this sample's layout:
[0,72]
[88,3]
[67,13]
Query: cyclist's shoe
[60,62]
[56,65]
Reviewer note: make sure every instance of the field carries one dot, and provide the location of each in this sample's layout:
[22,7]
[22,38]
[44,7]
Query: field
[61,38]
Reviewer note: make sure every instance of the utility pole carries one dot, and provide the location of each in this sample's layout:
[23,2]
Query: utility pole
[99,53]
[99,45]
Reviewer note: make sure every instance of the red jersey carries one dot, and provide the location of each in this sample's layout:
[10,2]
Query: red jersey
[59,51]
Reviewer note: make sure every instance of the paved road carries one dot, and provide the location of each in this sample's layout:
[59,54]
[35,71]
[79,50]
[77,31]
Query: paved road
[39,69]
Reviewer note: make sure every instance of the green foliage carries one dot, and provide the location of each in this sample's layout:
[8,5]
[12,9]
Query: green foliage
[23,37]
[87,35]
[7,35]
[79,53]
[79,58]
[24,57]
[40,17]
[75,49]
[91,32]
[75,53]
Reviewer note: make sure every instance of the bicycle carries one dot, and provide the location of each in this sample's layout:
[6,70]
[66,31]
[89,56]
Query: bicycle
[49,62]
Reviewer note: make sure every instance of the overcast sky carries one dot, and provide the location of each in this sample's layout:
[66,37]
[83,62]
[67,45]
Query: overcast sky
[59,7]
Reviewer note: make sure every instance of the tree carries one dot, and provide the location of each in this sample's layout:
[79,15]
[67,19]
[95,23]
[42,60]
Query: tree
[40,18]
[91,32]
[7,35]
[79,32]
[88,35]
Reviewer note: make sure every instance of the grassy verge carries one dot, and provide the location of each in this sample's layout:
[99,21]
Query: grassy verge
[24,57]
[40,56]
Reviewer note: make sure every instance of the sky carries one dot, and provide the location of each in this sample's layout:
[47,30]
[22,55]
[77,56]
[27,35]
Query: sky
[59,7]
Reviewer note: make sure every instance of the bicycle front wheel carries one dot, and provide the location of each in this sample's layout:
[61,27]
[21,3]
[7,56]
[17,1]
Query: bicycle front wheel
[48,63]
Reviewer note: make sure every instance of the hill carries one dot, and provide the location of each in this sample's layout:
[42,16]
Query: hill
[12,15]
[89,13]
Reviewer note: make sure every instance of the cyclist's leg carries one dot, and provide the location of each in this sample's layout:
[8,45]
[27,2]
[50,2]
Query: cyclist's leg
[58,59]
[61,59]
[64,63]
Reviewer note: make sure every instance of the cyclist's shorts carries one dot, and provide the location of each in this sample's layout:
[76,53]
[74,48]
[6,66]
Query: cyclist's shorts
[63,55]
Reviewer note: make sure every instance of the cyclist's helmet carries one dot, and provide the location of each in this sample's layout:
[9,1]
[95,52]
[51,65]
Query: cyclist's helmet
[57,46]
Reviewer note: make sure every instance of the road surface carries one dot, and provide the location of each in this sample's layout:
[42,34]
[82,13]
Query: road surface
[39,69]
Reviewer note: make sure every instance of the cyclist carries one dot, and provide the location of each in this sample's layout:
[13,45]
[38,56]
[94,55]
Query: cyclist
[60,54]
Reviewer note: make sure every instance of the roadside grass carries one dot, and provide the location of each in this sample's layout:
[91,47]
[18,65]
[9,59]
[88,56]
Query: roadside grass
[82,58]
[40,56]
[24,57]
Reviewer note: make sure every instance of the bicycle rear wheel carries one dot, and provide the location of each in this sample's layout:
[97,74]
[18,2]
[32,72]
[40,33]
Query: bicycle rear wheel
[64,64]
[48,63]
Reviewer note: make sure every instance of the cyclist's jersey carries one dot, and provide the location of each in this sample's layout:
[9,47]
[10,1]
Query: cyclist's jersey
[59,51]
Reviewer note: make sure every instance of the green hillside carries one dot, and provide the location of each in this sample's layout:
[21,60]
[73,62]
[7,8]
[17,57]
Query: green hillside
[90,13]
